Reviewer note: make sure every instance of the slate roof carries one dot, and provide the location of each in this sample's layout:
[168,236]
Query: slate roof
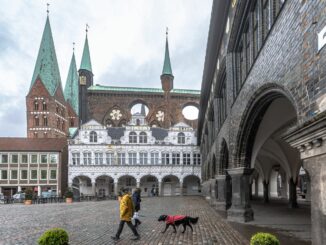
[159,133]
[116,133]
[46,67]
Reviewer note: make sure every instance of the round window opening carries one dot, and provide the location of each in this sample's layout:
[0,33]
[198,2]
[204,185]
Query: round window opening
[139,109]
[190,112]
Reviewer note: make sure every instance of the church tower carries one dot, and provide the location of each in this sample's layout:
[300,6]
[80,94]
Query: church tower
[71,93]
[167,83]
[45,103]
[85,81]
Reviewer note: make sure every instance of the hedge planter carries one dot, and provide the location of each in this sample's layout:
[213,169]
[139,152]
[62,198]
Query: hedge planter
[55,236]
[28,202]
[261,238]
[68,200]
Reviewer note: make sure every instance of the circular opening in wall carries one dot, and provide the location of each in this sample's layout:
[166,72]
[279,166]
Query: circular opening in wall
[139,109]
[190,112]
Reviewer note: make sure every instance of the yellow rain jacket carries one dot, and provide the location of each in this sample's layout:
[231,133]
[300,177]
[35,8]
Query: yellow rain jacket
[126,208]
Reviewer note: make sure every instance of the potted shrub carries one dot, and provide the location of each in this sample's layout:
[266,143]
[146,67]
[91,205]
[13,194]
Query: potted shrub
[261,238]
[55,236]
[28,196]
[69,195]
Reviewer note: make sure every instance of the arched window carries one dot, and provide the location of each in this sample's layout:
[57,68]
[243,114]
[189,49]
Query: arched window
[44,106]
[181,138]
[132,137]
[142,137]
[58,123]
[45,121]
[36,121]
[93,137]
[35,106]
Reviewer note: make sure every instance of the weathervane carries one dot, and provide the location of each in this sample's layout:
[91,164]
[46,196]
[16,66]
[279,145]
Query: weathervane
[47,8]
[87,27]
[167,31]
[73,46]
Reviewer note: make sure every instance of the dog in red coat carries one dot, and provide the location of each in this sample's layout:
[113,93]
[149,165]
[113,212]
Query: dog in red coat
[176,220]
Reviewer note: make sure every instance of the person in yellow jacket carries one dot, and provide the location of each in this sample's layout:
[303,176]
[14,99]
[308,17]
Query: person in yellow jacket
[126,213]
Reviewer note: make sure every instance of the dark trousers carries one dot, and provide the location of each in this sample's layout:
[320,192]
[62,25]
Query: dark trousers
[122,223]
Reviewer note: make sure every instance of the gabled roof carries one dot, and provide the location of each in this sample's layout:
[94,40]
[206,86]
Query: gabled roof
[86,58]
[92,122]
[71,87]
[46,67]
[181,125]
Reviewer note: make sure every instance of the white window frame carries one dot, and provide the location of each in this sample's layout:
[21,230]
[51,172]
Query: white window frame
[143,158]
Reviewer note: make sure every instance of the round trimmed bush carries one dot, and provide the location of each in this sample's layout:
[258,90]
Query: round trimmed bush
[55,236]
[261,238]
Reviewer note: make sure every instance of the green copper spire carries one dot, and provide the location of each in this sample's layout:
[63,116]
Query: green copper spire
[71,87]
[167,70]
[46,67]
[86,58]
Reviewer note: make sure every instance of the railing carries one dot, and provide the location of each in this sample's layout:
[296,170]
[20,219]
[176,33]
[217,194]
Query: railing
[43,200]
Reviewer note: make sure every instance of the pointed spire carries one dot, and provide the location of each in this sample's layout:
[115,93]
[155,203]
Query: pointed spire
[167,70]
[46,67]
[142,110]
[71,87]
[86,58]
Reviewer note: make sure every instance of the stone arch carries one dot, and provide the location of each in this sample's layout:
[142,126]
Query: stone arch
[190,103]
[104,185]
[149,185]
[127,181]
[171,185]
[252,116]
[82,186]
[139,101]
[191,185]
[107,119]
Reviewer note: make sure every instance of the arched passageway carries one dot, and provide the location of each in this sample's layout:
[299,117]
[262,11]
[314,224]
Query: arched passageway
[171,186]
[191,185]
[261,148]
[127,181]
[149,186]
[82,186]
[104,186]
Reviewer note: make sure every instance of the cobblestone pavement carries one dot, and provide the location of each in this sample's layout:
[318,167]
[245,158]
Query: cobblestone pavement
[95,222]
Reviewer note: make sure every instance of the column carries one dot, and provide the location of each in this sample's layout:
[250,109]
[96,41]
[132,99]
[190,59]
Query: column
[39,191]
[266,190]
[240,210]
[160,188]
[94,188]
[317,171]
[220,203]
[115,187]
[138,184]
[292,194]
[181,188]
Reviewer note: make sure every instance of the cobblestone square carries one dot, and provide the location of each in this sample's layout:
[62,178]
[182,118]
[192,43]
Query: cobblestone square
[94,222]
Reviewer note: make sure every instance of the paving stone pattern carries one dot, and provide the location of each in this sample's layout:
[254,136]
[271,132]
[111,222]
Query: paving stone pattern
[95,222]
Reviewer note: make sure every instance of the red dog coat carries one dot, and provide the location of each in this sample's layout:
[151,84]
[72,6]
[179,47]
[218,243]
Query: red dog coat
[171,219]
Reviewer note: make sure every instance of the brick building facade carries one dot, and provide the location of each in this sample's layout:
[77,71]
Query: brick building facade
[262,108]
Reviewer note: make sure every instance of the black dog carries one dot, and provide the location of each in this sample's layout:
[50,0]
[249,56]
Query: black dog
[177,220]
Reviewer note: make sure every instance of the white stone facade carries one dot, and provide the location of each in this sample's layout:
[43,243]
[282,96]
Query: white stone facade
[159,161]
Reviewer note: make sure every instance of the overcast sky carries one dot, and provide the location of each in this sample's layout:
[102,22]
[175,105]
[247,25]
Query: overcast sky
[126,39]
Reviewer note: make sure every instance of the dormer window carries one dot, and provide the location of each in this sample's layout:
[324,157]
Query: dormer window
[181,138]
[132,138]
[142,137]
[93,137]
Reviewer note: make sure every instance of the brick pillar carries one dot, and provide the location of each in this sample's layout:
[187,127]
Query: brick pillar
[266,196]
[240,210]
[220,202]
[292,194]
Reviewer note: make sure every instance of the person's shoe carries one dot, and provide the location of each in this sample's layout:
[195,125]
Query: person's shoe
[139,222]
[114,238]
[135,238]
